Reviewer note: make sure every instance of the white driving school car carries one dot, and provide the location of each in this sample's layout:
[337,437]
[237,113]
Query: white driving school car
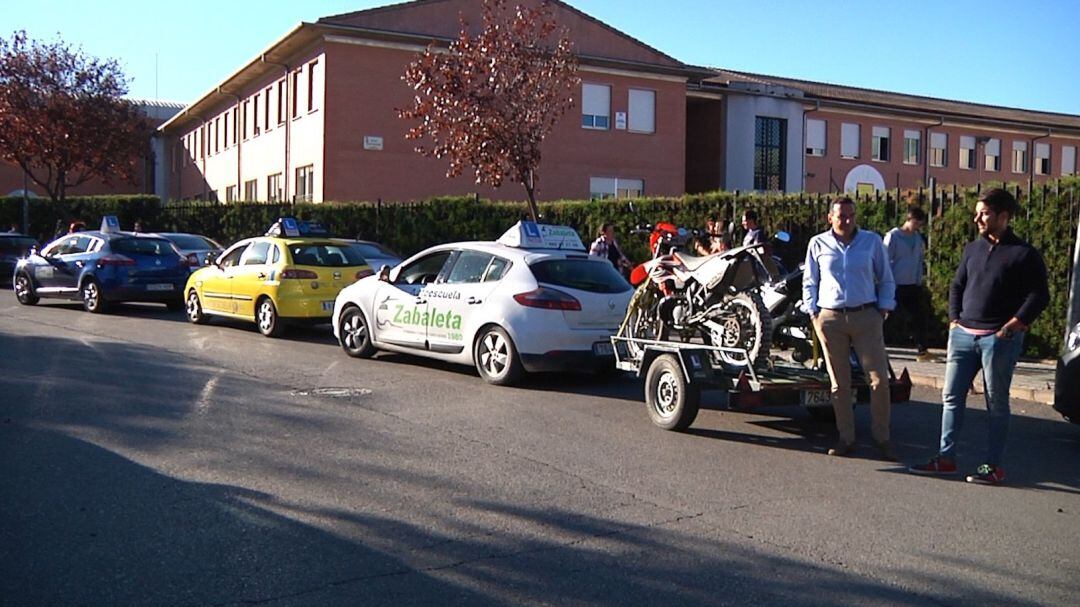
[533,300]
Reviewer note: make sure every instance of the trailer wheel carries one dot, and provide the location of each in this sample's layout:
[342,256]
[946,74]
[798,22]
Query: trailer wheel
[672,402]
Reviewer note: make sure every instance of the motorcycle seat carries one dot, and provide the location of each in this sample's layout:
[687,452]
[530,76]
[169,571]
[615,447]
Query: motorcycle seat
[693,262]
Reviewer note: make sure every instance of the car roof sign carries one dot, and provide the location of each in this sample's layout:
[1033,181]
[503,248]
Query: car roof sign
[531,235]
[291,227]
[110,223]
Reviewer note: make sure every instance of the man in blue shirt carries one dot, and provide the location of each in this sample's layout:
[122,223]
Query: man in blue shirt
[848,290]
[998,291]
[906,255]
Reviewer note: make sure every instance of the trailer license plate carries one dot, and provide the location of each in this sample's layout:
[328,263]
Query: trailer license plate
[159,286]
[816,398]
[328,306]
[603,348]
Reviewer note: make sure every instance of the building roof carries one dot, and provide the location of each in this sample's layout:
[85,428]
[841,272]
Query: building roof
[933,107]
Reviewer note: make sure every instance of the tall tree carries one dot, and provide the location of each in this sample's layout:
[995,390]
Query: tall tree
[488,101]
[63,118]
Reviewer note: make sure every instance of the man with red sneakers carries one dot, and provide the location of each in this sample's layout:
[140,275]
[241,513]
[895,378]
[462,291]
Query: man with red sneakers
[998,291]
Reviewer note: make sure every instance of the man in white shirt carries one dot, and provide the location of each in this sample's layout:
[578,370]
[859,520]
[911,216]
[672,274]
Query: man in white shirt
[906,255]
[848,290]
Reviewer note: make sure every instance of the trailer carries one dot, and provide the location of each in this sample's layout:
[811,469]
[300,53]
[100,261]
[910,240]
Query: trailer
[676,372]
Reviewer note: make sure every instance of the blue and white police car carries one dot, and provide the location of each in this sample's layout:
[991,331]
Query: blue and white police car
[531,301]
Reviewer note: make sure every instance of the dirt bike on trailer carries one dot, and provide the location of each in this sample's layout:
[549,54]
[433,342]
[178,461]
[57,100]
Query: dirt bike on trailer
[696,321]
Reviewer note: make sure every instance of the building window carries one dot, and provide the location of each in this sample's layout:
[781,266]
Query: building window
[967,152]
[273,188]
[992,151]
[642,110]
[1019,157]
[912,141]
[230,193]
[247,105]
[251,190]
[879,143]
[235,123]
[815,137]
[311,85]
[217,135]
[615,187]
[305,184]
[1068,160]
[225,129]
[295,93]
[849,140]
[266,110]
[1042,158]
[595,106]
[769,136]
[281,101]
[255,114]
[939,149]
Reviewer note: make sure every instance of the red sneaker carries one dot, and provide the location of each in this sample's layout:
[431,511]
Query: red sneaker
[937,466]
[987,474]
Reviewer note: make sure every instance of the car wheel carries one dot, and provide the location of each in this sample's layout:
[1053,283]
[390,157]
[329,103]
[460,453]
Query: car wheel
[496,357]
[266,317]
[92,298]
[194,308]
[24,290]
[355,335]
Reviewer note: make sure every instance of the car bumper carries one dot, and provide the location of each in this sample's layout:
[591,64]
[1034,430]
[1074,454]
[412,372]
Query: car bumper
[545,348]
[566,361]
[151,291]
[314,308]
[1067,387]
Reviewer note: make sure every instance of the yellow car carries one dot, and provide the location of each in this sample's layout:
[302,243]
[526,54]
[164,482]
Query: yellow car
[274,280]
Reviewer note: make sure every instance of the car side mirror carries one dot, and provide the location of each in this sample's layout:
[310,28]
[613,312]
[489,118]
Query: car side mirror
[783,236]
[33,250]
[212,257]
[384,273]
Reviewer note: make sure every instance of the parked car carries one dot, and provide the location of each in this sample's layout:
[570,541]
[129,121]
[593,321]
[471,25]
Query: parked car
[1067,376]
[101,268]
[13,247]
[197,248]
[376,254]
[532,301]
[275,280]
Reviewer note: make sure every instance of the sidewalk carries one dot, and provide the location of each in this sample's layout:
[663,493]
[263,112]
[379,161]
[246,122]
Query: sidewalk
[1033,380]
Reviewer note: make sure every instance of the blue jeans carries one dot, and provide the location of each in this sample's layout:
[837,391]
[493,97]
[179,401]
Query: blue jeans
[997,358]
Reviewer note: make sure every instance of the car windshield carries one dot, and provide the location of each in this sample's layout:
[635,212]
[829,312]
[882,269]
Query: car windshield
[142,246]
[370,249]
[15,246]
[581,274]
[191,242]
[325,254]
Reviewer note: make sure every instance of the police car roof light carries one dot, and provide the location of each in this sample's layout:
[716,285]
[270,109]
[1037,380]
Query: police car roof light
[531,235]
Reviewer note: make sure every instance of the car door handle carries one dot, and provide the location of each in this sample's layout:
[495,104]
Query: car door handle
[474,300]
[80,263]
[262,275]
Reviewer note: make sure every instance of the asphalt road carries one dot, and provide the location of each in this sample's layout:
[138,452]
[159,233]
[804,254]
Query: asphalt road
[148,461]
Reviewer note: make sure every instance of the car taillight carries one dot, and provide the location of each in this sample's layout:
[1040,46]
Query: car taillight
[300,274]
[364,273]
[548,299]
[115,260]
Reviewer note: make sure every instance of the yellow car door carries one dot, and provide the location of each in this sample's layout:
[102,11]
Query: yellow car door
[250,277]
[214,282]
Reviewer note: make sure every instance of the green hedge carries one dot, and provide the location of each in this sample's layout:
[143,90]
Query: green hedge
[1048,221]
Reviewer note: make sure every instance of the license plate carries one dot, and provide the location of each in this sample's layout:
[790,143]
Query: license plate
[328,306]
[815,398]
[160,286]
[603,348]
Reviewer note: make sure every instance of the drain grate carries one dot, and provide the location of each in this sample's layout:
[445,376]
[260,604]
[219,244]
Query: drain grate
[333,392]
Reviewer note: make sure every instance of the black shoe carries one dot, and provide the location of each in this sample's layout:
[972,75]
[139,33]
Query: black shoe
[841,449]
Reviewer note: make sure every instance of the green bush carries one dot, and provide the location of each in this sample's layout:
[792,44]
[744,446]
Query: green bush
[1048,221]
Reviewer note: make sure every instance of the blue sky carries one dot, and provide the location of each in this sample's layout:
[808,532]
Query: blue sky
[1016,54]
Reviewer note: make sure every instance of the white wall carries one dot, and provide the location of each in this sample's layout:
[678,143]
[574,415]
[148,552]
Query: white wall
[740,118]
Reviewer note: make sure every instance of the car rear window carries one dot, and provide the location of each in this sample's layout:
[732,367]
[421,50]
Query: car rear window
[580,274]
[142,246]
[190,242]
[325,254]
[15,246]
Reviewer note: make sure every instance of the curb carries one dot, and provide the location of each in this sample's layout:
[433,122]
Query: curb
[1043,396]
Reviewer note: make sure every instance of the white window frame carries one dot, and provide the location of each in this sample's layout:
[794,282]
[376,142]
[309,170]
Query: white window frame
[305,183]
[816,137]
[909,136]
[1042,159]
[849,139]
[1068,160]
[992,150]
[273,188]
[968,144]
[594,98]
[602,188]
[1020,157]
[939,149]
[641,111]
[880,141]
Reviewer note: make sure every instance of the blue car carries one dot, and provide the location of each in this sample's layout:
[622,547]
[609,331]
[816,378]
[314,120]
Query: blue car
[13,247]
[101,268]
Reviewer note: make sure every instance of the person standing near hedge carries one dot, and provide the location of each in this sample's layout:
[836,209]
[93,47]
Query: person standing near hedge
[605,246]
[848,290]
[906,256]
[999,290]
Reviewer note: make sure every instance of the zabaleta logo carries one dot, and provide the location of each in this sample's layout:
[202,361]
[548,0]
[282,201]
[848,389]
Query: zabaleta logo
[434,317]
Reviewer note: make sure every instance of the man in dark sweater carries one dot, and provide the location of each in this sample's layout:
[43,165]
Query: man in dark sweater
[998,291]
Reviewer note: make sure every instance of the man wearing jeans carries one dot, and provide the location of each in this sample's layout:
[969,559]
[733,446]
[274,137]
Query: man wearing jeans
[998,291]
[848,290]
